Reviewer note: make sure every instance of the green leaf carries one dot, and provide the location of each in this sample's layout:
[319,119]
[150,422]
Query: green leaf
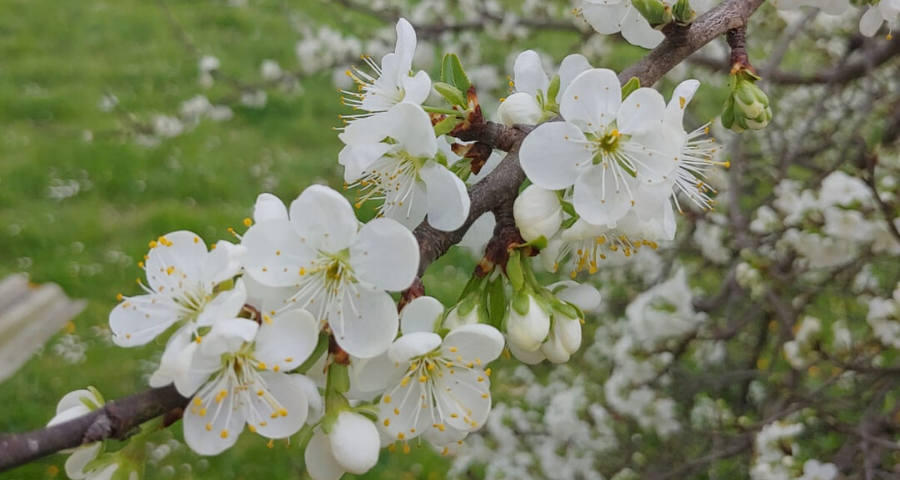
[451,93]
[453,73]
[630,86]
[497,301]
[553,89]
[446,126]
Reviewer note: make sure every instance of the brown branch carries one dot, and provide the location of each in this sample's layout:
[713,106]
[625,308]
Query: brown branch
[872,58]
[117,419]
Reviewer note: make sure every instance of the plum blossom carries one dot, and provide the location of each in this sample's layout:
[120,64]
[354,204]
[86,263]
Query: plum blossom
[604,149]
[531,103]
[404,172]
[391,83]
[614,16]
[332,267]
[181,288]
[249,364]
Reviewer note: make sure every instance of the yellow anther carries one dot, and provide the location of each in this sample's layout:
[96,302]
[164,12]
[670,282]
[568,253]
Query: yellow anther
[406,448]
[401,436]
[208,427]
[387,399]
[283,412]
[251,427]
[153,244]
[261,365]
[248,222]
[387,422]
[197,401]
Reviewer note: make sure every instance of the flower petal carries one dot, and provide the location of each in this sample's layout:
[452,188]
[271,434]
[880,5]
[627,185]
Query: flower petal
[320,462]
[289,394]
[465,393]
[592,100]
[448,199]
[421,315]
[184,252]
[355,442]
[275,254]
[71,405]
[528,358]
[681,97]
[637,31]
[411,127]
[80,458]
[226,304]
[385,254]
[269,207]
[553,154]
[228,335]
[585,297]
[641,112]
[413,345]
[571,66]
[477,343]
[137,320]
[366,324]
[417,88]
[356,159]
[480,232]
[210,426]
[529,75]
[405,48]
[287,340]
[369,377]
[607,18]
[601,197]
[193,369]
[870,22]
[324,219]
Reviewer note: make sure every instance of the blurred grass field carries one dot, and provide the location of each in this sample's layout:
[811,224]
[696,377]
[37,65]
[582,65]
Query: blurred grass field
[80,213]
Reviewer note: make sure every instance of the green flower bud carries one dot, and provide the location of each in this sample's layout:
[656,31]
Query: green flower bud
[747,108]
[657,13]
[682,13]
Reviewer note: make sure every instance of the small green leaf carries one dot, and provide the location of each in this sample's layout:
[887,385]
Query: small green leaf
[446,126]
[630,86]
[453,73]
[497,301]
[514,271]
[521,303]
[553,89]
[451,93]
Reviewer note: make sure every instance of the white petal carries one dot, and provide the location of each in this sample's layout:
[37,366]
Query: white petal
[529,73]
[324,219]
[641,112]
[568,332]
[137,320]
[72,406]
[413,345]
[227,304]
[553,154]
[606,19]
[440,438]
[870,22]
[224,421]
[401,414]
[592,100]
[356,159]
[637,31]
[364,325]
[413,209]
[355,442]
[480,232]
[222,263]
[290,394]
[365,131]
[520,107]
[448,199]
[421,315]
[598,198]
[528,358]
[408,124]
[585,297]
[465,392]
[417,88]
[477,343]
[571,66]
[369,377]
[313,397]
[79,459]
[269,207]
[107,472]
[193,369]
[183,251]
[405,47]
[169,365]
[287,340]
[320,462]
[275,254]
[681,97]
[385,254]
[228,335]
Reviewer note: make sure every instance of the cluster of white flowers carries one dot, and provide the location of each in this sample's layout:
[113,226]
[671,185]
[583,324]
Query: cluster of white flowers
[774,456]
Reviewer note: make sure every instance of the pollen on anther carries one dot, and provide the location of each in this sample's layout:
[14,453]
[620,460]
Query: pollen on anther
[387,399]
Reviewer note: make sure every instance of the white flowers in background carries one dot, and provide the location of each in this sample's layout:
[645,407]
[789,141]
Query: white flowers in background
[877,14]
[799,352]
[531,101]
[774,451]
[816,470]
[182,277]
[335,269]
[270,70]
[248,363]
[404,172]
[208,66]
[884,318]
[664,311]
[391,82]
[604,149]
[351,446]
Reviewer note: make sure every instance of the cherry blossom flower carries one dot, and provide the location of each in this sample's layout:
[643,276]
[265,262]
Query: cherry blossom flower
[182,277]
[404,172]
[531,103]
[605,148]
[614,16]
[877,14]
[248,363]
[391,83]
[336,270]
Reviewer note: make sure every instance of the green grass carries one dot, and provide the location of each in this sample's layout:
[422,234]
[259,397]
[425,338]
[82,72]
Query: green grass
[57,59]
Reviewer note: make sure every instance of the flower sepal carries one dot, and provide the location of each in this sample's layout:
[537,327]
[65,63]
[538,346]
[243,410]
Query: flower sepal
[657,13]
[682,13]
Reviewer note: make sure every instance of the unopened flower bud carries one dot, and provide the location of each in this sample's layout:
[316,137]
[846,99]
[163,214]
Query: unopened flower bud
[463,315]
[657,13]
[538,213]
[747,108]
[682,13]
[520,107]
[528,323]
[564,339]
[355,442]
